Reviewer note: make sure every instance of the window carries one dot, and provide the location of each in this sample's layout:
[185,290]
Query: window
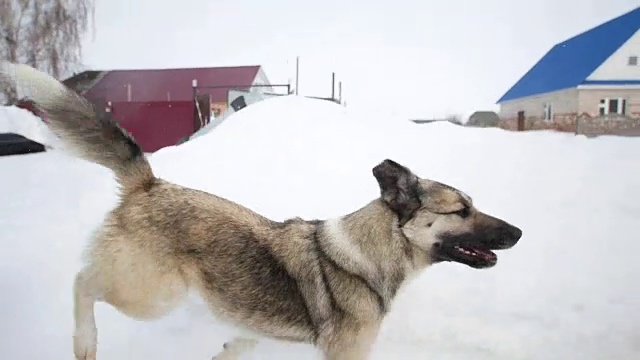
[633,61]
[612,106]
[547,114]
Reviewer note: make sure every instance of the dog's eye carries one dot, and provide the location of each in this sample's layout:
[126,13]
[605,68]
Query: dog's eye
[463,213]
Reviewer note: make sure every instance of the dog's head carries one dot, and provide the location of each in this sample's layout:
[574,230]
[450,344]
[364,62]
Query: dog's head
[442,220]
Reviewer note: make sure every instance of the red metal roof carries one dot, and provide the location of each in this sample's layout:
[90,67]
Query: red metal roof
[170,84]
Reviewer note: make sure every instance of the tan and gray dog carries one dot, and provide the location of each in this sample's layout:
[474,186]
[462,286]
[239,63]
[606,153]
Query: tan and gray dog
[327,283]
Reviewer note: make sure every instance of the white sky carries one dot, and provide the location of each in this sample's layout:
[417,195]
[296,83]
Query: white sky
[408,58]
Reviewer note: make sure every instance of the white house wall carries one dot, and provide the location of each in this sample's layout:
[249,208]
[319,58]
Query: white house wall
[261,79]
[562,102]
[589,98]
[617,67]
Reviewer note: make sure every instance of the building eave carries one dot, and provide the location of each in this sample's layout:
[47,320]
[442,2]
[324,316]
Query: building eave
[609,85]
[612,82]
[529,96]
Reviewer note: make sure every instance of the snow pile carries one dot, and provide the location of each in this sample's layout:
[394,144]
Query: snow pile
[566,291]
[22,122]
[290,137]
[250,97]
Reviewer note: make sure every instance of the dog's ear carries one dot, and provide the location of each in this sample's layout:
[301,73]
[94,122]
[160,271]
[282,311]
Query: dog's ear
[399,188]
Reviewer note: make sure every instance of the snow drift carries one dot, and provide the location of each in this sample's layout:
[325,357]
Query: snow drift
[22,122]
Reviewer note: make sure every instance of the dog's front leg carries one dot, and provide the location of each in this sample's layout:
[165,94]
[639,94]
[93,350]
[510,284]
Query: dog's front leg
[349,342]
[85,334]
[235,348]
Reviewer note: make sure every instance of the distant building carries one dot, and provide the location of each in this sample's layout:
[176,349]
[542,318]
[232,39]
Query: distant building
[484,119]
[595,74]
[168,84]
[157,105]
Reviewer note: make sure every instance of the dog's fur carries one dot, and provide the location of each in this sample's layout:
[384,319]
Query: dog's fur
[327,283]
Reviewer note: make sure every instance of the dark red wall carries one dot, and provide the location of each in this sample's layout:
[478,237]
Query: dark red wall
[156,124]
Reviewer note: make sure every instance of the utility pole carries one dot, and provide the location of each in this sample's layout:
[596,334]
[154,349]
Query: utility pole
[297,73]
[333,86]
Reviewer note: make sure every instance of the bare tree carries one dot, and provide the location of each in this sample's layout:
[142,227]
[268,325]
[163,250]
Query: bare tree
[46,34]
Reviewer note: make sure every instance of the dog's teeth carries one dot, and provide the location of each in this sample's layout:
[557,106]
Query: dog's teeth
[465,251]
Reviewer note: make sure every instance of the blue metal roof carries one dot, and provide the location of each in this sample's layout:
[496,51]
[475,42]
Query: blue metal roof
[569,63]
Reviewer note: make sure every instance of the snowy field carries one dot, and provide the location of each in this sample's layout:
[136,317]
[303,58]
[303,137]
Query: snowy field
[569,289]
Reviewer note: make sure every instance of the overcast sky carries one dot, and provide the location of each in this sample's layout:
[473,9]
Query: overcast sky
[409,58]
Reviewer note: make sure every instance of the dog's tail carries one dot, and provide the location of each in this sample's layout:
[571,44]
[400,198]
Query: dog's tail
[71,117]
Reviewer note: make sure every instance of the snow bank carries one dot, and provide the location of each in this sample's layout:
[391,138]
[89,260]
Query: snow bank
[23,122]
[298,138]
[567,291]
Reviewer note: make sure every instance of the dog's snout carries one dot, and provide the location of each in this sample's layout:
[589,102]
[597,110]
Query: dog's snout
[509,235]
[515,233]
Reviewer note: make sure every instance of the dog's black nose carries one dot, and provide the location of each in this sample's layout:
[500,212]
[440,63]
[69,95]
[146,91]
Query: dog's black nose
[508,236]
[516,233]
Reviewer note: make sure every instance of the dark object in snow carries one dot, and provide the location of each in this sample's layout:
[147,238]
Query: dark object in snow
[239,103]
[14,144]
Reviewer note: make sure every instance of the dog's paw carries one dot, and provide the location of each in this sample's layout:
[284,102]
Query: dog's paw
[232,350]
[224,347]
[85,345]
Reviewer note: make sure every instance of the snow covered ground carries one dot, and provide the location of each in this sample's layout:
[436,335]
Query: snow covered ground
[20,121]
[568,290]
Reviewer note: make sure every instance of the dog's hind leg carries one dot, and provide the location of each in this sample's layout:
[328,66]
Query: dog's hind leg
[129,274]
[236,348]
[86,292]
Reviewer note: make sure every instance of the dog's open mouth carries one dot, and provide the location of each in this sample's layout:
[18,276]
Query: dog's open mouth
[474,256]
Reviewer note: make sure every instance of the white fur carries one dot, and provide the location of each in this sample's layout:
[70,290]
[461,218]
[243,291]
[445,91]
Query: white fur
[341,245]
[32,83]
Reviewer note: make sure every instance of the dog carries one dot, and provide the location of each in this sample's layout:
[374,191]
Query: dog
[327,283]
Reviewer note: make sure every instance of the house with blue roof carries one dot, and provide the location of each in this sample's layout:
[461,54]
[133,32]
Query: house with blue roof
[594,74]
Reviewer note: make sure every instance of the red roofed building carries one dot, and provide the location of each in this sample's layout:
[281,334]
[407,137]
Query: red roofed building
[157,105]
